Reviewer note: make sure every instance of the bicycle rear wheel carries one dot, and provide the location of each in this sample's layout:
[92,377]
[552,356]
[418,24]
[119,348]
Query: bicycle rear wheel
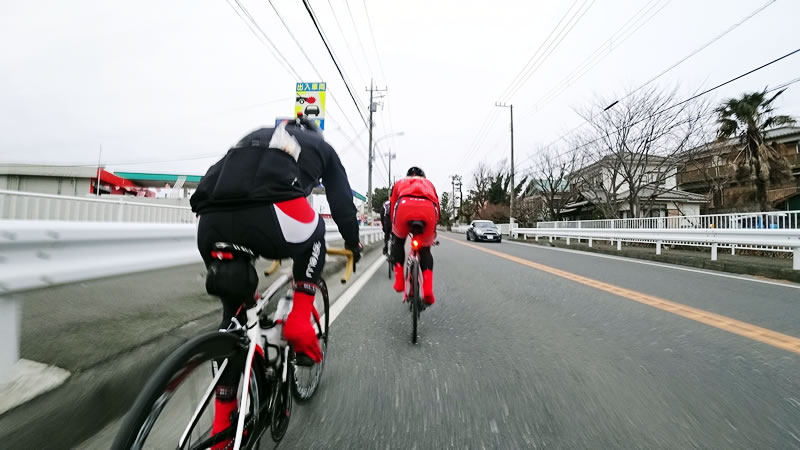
[414,299]
[175,408]
[305,379]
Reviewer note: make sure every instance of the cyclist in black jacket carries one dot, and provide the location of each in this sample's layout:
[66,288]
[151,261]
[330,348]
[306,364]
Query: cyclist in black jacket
[255,197]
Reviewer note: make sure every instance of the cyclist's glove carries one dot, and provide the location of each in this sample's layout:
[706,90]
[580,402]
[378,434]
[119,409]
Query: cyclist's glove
[355,249]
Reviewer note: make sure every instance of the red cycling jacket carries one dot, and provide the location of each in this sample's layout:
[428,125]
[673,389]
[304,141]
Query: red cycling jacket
[414,187]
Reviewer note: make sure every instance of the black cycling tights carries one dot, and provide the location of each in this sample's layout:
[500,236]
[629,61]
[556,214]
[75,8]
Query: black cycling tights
[259,230]
[399,253]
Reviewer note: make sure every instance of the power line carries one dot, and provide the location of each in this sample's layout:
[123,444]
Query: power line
[314,67]
[734,79]
[272,45]
[547,47]
[358,36]
[374,44]
[571,23]
[361,78]
[538,49]
[283,59]
[622,34]
[319,30]
[704,46]
[491,117]
[781,86]
[681,61]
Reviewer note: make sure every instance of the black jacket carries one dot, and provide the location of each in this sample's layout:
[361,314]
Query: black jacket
[252,174]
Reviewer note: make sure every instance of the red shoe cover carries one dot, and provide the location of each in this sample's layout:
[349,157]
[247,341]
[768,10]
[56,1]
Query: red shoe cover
[427,287]
[399,281]
[298,330]
[222,419]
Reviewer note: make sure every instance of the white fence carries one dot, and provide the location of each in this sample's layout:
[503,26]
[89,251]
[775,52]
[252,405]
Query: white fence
[763,239]
[758,220]
[16,205]
[37,254]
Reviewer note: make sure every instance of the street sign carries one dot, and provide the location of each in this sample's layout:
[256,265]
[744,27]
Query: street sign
[310,102]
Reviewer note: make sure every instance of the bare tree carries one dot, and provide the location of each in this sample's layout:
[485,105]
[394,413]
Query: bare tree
[529,210]
[598,178]
[550,180]
[710,164]
[636,145]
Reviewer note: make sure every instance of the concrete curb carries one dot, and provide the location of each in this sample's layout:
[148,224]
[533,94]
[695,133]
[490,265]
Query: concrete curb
[90,399]
[700,262]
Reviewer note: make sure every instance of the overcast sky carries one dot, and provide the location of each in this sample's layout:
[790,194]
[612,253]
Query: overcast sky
[168,86]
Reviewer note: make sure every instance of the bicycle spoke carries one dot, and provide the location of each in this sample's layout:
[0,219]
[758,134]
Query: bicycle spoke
[196,416]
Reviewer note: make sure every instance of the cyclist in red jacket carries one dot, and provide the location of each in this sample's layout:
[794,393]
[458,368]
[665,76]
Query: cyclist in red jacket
[414,198]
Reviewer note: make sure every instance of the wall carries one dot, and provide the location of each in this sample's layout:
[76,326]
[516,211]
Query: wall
[45,185]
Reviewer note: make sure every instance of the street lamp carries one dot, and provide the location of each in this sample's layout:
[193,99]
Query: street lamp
[390,154]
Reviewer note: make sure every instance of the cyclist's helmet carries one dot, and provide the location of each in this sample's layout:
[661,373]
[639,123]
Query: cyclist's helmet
[304,122]
[415,172]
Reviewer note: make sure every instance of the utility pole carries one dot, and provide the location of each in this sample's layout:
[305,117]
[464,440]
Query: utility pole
[455,181]
[373,106]
[391,156]
[97,184]
[513,186]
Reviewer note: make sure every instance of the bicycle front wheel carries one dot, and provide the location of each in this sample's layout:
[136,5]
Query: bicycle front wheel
[176,408]
[306,378]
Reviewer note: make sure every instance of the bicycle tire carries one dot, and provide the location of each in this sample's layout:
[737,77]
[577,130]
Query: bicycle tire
[304,393]
[281,411]
[176,369]
[414,298]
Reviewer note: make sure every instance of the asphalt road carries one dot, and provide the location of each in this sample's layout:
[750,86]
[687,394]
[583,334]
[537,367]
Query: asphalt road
[516,357]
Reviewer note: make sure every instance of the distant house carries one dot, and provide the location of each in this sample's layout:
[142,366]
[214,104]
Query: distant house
[602,191]
[711,171]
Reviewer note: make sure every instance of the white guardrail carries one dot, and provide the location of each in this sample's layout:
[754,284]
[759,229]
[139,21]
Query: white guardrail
[765,240]
[652,230]
[17,205]
[36,254]
[781,220]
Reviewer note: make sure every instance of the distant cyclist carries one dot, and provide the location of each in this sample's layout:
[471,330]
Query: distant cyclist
[255,197]
[386,224]
[414,198]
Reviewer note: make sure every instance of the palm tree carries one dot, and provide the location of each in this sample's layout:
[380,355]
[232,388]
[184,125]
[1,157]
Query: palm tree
[749,118]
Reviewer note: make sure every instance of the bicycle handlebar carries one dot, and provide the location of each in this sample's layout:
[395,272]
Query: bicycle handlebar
[272,268]
[350,267]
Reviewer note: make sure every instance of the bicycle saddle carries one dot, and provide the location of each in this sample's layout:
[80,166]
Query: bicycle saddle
[226,250]
[416,226]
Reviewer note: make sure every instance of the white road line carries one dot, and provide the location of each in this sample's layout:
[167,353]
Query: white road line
[667,266]
[348,295]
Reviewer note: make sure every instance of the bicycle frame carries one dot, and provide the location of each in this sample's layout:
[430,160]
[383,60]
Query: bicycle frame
[253,332]
[412,258]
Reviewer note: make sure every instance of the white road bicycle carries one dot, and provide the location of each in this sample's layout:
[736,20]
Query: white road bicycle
[174,409]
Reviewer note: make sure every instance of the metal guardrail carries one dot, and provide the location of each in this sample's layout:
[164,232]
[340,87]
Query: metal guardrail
[762,239]
[17,205]
[781,220]
[36,254]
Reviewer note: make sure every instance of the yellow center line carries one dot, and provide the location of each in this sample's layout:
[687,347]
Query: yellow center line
[756,333]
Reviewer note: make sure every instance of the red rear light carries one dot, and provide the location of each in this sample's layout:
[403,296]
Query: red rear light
[221,255]
[415,244]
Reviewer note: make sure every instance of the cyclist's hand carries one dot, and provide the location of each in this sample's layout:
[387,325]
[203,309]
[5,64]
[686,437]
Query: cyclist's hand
[356,249]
